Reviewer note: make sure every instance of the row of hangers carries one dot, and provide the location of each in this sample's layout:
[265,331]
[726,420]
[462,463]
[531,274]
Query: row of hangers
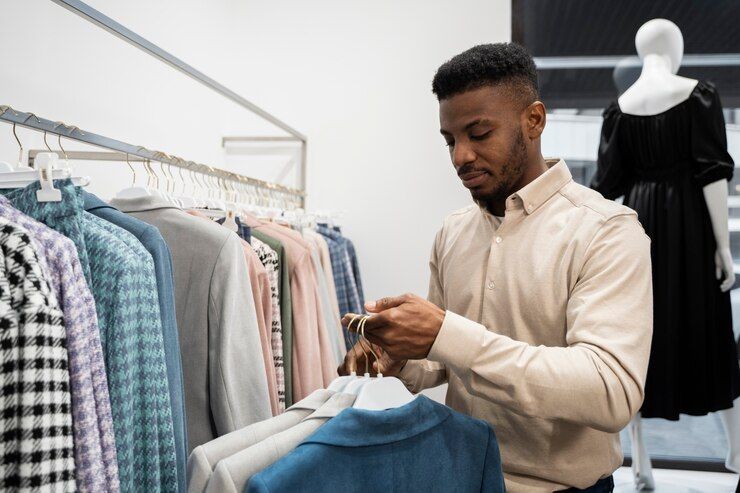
[206,191]
[48,169]
[213,194]
[372,393]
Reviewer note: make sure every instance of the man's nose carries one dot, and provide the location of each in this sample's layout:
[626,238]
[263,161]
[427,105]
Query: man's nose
[462,154]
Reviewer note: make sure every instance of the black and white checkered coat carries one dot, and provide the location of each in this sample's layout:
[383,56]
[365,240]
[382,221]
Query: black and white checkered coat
[36,444]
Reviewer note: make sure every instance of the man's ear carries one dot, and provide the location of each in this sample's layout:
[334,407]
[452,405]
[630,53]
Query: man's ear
[535,118]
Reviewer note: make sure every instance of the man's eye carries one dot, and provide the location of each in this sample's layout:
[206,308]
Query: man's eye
[450,144]
[481,136]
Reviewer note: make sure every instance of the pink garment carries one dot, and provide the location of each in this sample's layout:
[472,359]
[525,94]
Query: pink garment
[260,284]
[313,362]
[323,250]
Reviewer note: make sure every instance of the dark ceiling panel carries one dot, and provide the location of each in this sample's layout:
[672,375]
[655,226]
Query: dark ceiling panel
[557,28]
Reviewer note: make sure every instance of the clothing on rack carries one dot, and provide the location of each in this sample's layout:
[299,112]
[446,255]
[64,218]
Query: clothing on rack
[261,305]
[36,449]
[175,333]
[421,446]
[152,240]
[286,310]
[223,368]
[204,459]
[348,293]
[96,465]
[271,327]
[325,256]
[124,289]
[269,259]
[313,361]
[354,261]
[233,473]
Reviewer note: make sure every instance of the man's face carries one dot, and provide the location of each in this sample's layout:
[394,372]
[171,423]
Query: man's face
[483,130]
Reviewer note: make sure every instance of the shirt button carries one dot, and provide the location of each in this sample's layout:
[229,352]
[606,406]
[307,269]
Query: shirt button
[491,285]
[499,239]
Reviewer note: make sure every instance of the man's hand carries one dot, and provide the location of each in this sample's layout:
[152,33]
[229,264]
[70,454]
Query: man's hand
[404,326]
[360,358]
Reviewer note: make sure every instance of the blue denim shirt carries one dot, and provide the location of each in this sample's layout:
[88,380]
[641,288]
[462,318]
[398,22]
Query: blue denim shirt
[422,446]
[153,242]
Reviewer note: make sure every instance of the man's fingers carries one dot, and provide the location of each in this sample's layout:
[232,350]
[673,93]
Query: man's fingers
[386,303]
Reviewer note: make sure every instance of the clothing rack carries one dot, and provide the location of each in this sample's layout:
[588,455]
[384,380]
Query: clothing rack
[29,120]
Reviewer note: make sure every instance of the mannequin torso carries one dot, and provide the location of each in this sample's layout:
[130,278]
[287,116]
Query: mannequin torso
[657,90]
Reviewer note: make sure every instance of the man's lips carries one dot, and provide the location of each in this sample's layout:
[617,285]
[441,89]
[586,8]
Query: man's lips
[473,178]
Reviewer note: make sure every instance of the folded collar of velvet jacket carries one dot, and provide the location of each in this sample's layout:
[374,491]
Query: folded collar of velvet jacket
[360,427]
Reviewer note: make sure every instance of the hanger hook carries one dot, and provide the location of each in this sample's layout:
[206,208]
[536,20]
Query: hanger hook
[370,344]
[46,143]
[362,338]
[62,148]
[349,332]
[20,146]
[133,171]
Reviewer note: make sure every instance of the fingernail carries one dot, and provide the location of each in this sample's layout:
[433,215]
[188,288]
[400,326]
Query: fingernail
[370,305]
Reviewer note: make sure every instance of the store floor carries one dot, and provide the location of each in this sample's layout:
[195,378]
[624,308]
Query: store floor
[672,481]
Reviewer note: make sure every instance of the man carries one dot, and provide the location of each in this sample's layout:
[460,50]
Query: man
[540,302]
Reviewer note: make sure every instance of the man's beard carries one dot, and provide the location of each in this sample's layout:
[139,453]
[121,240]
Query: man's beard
[510,172]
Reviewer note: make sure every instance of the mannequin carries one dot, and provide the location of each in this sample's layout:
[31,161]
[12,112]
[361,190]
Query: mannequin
[660,47]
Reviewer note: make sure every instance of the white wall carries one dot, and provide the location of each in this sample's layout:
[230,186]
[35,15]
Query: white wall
[353,76]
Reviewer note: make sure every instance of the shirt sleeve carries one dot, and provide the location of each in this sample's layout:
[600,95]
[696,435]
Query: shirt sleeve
[238,381]
[598,379]
[418,375]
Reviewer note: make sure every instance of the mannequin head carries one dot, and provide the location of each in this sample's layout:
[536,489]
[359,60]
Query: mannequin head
[660,37]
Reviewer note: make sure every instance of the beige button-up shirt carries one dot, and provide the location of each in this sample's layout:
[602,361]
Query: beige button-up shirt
[548,328]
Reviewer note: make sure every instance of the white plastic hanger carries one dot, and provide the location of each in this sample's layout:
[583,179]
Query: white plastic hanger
[45,174]
[134,192]
[340,383]
[379,393]
[383,393]
[354,386]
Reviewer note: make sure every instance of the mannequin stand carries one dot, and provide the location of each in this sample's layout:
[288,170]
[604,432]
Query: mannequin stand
[731,421]
[642,470]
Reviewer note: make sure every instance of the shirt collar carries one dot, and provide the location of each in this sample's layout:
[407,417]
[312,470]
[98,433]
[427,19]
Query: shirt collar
[543,187]
[141,204]
[325,230]
[360,427]
[532,196]
[314,400]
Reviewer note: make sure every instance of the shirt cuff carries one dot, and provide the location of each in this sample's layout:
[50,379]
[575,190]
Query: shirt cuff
[458,341]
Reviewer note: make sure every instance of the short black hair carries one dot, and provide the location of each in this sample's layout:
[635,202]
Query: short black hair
[488,65]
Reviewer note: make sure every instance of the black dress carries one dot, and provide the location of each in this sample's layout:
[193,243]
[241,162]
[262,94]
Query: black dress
[660,163]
